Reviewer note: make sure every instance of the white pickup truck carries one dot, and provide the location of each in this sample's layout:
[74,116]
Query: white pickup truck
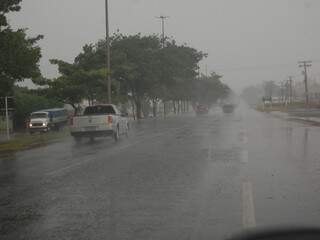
[99,121]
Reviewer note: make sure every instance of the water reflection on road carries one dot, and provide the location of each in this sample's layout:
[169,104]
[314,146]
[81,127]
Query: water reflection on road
[184,177]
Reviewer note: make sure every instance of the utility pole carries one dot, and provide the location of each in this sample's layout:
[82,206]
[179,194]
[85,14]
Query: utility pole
[163,40]
[290,89]
[305,65]
[6,105]
[108,54]
[163,18]
[286,95]
[282,92]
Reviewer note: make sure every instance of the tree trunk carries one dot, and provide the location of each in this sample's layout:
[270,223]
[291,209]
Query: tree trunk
[133,110]
[174,107]
[164,109]
[154,108]
[179,110]
[139,108]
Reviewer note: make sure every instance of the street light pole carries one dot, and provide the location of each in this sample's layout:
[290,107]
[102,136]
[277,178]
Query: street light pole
[290,89]
[108,53]
[163,41]
[163,18]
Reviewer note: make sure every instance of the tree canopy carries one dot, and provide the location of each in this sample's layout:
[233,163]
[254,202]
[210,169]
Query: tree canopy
[19,54]
[141,71]
[208,89]
[7,6]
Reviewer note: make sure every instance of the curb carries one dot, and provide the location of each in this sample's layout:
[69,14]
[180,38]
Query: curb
[298,119]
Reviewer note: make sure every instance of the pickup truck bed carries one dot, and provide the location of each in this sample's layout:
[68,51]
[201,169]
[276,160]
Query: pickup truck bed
[99,121]
[87,126]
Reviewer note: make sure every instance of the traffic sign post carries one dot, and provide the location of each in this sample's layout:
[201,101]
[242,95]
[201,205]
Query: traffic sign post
[7,118]
[7,105]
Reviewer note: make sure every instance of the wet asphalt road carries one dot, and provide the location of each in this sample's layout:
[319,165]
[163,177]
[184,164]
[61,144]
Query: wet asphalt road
[182,178]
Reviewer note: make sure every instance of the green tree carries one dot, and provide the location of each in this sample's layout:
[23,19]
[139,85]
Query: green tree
[135,64]
[179,68]
[208,89]
[19,54]
[85,78]
[149,72]
[7,6]
[142,72]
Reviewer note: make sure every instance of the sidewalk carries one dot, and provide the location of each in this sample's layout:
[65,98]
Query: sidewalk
[288,116]
[3,136]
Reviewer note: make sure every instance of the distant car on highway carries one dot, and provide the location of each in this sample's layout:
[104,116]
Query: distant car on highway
[202,109]
[45,120]
[228,108]
[100,121]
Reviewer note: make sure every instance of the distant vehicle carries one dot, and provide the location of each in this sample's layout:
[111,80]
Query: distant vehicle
[202,109]
[45,120]
[100,121]
[228,108]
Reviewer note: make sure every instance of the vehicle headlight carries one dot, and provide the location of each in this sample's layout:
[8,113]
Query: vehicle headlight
[30,124]
[44,124]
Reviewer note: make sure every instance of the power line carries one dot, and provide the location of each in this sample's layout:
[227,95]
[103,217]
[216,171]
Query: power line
[255,67]
[259,67]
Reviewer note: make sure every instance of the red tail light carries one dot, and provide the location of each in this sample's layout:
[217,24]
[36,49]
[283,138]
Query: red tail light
[109,119]
[71,121]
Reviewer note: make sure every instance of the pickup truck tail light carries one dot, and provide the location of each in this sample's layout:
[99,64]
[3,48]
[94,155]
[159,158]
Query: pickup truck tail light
[109,119]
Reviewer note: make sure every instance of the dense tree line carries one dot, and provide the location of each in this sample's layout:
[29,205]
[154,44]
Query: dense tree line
[143,72]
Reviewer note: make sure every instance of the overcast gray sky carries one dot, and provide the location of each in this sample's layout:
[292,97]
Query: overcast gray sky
[248,41]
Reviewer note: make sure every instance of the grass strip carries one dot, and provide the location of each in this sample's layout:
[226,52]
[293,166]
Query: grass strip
[22,141]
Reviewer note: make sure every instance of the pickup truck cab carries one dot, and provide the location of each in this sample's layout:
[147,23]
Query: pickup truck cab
[45,120]
[228,108]
[99,121]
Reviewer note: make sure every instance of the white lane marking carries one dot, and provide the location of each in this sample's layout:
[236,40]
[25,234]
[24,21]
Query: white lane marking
[61,170]
[245,139]
[242,131]
[243,136]
[248,214]
[244,156]
[210,153]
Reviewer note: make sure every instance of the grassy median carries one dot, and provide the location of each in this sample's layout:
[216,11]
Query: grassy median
[285,108]
[22,141]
